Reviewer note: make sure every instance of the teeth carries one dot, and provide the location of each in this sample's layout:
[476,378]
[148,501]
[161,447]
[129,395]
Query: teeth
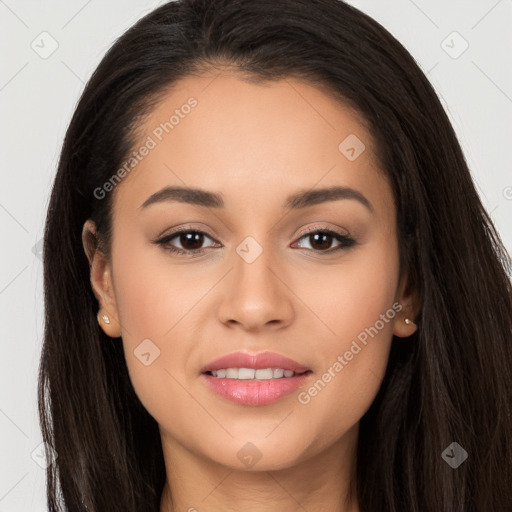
[251,373]
[243,373]
[232,373]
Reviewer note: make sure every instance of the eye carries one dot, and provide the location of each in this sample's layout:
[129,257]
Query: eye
[191,241]
[321,240]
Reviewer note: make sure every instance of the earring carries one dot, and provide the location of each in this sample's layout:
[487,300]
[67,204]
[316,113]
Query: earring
[105,318]
[409,322]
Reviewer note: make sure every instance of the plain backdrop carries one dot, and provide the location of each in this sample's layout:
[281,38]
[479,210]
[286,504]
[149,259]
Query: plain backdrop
[48,51]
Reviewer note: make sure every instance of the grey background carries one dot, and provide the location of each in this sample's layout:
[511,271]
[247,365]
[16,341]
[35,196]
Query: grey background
[37,98]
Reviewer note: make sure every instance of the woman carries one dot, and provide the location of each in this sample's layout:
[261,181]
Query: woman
[270,282]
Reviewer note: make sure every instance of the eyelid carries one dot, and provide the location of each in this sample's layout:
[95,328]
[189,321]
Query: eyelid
[164,239]
[314,229]
[180,229]
[188,228]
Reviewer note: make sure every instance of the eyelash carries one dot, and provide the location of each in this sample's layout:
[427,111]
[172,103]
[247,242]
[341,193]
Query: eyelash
[345,240]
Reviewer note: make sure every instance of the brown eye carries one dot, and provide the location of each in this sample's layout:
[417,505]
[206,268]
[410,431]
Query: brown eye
[321,240]
[191,241]
[188,242]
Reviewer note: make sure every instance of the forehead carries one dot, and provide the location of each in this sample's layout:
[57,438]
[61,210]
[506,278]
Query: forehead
[254,142]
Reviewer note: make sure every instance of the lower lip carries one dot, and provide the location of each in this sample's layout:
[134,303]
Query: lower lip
[253,391]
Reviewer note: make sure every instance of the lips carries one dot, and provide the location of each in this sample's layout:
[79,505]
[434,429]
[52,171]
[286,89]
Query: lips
[255,361]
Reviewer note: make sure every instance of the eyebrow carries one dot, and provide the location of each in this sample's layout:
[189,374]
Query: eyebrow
[301,199]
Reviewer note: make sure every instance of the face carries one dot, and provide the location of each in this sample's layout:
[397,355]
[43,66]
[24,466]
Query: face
[266,264]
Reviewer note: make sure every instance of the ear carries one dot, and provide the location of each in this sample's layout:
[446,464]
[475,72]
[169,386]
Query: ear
[101,281]
[410,303]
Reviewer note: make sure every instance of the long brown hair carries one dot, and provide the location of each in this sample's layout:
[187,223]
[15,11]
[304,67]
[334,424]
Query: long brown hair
[449,383]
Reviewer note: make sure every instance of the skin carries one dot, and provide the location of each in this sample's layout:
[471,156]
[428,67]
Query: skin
[255,144]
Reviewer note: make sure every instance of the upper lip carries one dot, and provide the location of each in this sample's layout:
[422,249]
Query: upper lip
[256,361]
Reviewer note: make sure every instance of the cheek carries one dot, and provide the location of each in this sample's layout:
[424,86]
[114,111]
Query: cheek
[357,291]
[152,303]
[359,310]
[152,294]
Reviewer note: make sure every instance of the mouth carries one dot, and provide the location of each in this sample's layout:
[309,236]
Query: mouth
[254,379]
[244,365]
[255,387]
[255,373]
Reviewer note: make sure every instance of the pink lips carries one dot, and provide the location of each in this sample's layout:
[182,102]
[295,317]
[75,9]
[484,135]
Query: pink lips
[253,391]
[256,361]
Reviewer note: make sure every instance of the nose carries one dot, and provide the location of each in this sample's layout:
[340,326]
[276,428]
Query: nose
[255,295]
